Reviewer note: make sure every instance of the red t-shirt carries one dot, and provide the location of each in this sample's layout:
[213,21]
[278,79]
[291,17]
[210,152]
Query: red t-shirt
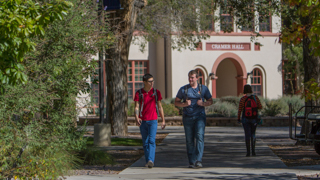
[149,111]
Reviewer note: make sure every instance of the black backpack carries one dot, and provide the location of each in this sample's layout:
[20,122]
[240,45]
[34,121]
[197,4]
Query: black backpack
[141,100]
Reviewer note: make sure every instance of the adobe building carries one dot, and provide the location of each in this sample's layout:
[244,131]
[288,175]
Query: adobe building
[225,62]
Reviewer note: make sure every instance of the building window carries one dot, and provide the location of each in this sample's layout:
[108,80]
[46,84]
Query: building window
[136,70]
[249,24]
[210,21]
[226,20]
[249,27]
[256,82]
[209,18]
[265,22]
[200,76]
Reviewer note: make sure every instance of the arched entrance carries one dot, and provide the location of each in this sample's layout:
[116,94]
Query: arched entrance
[233,75]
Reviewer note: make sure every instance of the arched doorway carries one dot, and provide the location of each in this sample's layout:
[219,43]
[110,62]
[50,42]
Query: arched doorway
[230,75]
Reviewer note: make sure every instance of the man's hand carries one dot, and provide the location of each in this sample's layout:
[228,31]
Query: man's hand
[188,101]
[163,125]
[138,121]
[200,102]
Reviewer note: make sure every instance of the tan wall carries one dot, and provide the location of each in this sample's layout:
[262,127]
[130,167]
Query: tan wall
[226,82]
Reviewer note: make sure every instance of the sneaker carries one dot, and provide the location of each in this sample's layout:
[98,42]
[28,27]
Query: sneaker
[191,165]
[198,164]
[150,164]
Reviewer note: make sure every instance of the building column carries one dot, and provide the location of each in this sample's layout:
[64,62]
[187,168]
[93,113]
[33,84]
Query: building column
[214,86]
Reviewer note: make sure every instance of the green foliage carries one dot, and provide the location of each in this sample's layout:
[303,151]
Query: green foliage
[312,90]
[167,104]
[160,17]
[131,106]
[302,21]
[231,99]
[225,109]
[275,107]
[20,21]
[170,110]
[126,142]
[168,101]
[94,156]
[38,130]
[293,68]
[296,101]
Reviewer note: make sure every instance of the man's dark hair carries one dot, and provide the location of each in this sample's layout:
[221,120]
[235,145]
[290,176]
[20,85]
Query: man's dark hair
[193,72]
[247,89]
[146,77]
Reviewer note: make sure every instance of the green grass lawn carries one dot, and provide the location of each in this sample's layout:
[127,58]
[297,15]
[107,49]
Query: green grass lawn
[119,142]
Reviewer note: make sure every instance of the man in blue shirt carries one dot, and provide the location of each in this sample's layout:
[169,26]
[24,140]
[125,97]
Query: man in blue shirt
[191,97]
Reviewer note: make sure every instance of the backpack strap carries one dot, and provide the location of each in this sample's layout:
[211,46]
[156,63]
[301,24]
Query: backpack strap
[254,97]
[155,94]
[185,93]
[141,101]
[200,90]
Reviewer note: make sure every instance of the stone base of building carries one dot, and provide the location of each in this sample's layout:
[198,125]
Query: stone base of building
[211,121]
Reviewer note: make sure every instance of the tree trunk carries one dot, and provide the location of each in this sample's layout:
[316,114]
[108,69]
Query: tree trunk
[122,23]
[311,71]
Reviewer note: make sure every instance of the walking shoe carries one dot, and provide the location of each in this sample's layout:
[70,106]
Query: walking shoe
[150,164]
[198,164]
[191,165]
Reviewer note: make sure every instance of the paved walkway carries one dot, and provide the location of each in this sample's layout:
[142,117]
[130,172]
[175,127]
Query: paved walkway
[224,158]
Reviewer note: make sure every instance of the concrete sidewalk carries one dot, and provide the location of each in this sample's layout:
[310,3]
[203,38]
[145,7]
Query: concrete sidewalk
[224,158]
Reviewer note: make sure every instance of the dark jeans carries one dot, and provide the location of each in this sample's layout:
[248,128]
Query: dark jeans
[194,127]
[249,130]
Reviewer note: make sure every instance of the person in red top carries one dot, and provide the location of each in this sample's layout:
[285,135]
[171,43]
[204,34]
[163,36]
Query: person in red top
[147,117]
[249,125]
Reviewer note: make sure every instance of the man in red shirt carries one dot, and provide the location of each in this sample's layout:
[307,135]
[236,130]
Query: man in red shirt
[147,99]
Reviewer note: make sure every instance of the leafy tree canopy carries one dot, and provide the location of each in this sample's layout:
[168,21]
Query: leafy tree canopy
[21,20]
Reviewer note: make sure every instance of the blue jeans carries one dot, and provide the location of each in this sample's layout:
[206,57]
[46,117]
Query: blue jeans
[194,127]
[148,130]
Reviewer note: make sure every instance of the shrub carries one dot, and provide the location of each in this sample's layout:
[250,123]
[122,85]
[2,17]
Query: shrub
[168,101]
[94,156]
[170,110]
[224,108]
[231,99]
[131,106]
[215,100]
[38,132]
[295,101]
[275,107]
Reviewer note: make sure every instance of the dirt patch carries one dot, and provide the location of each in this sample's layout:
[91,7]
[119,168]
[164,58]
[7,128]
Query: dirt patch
[296,155]
[314,176]
[123,159]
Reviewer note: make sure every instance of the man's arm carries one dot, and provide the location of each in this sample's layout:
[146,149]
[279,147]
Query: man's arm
[177,102]
[136,113]
[163,125]
[207,103]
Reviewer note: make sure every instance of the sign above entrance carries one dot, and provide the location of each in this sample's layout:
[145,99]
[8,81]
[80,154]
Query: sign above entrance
[228,46]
